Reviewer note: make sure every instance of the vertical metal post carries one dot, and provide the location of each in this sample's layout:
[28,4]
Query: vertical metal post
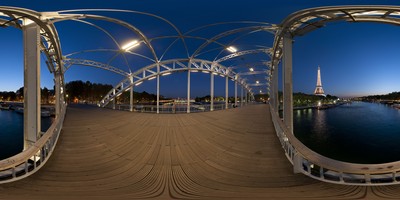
[188,91]
[226,91]
[245,96]
[158,88]
[31,35]
[241,96]
[58,102]
[114,99]
[275,82]
[236,91]
[287,86]
[212,92]
[131,95]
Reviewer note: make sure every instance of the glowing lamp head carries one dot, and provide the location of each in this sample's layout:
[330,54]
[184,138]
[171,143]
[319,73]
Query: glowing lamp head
[130,45]
[251,69]
[232,49]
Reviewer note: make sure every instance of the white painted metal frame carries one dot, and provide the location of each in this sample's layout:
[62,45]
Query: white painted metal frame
[38,35]
[303,159]
[166,67]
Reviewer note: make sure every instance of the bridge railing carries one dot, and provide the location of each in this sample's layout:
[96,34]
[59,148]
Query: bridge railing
[172,109]
[32,159]
[319,167]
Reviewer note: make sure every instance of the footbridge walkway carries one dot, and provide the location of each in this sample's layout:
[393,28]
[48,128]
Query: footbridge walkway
[229,154]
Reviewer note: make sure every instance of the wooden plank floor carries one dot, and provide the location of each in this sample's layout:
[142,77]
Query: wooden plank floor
[231,154]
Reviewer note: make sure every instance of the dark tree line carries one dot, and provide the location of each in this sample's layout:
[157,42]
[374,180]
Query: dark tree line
[79,91]
[390,96]
[46,95]
[86,91]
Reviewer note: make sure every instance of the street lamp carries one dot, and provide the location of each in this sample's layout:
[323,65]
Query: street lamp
[251,69]
[130,45]
[231,49]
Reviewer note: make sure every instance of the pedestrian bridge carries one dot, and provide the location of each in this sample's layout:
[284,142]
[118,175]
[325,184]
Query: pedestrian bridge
[246,152]
[229,154]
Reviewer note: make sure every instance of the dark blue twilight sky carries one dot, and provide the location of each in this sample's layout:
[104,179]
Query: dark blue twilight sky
[355,59]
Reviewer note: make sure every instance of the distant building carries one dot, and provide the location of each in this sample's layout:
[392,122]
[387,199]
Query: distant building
[318,90]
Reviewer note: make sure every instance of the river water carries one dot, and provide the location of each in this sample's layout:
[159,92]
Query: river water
[11,132]
[359,132]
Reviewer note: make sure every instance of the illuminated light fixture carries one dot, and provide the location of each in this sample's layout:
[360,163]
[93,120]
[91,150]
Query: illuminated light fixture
[257,82]
[251,69]
[151,78]
[165,74]
[231,49]
[205,72]
[215,73]
[221,75]
[194,70]
[138,83]
[130,45]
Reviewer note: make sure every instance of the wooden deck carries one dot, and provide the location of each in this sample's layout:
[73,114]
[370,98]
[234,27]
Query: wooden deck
[231,154]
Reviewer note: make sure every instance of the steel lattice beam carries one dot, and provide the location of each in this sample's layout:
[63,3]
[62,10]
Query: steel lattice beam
[241,53]
[69,62]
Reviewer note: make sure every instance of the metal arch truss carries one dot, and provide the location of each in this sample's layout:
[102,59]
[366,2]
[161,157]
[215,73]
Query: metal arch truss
[165,68]
[241,53]
[72,61]
[303,159]
[43,36]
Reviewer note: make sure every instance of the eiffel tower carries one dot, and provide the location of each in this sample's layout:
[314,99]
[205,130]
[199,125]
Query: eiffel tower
[318,90]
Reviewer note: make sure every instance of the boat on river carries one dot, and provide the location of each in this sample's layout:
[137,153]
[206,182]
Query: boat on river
[4,106]
[43,113]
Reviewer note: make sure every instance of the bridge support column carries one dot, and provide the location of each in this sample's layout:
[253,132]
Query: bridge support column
[31,35]
[236,92]
[158,88]
[114,100]
[226,91]
[297,163]
[212,92]
[59,102]
[241,96]
[131,95]
[287,83]
[275,93]
[131,99]
[188,92]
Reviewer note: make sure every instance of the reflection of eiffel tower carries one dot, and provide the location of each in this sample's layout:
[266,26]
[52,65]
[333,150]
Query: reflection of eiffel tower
[318,90]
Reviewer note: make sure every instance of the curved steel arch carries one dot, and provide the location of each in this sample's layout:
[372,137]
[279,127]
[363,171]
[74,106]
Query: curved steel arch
[72,61]
[142,13]
[169,66]
[36,155]
[303,159]
[241,53]
[109,50]
[230,32]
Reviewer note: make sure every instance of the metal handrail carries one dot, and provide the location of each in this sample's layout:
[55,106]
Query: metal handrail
[32,159]
[173,109]
[319,167]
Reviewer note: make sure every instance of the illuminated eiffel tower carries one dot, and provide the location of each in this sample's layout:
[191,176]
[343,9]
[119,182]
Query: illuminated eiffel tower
[318,90]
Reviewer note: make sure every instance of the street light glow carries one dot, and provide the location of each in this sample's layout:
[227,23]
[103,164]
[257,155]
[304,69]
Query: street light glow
[251,69]
[138,83]
[130,45]
[232,49]
[257,82]
[165,74]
